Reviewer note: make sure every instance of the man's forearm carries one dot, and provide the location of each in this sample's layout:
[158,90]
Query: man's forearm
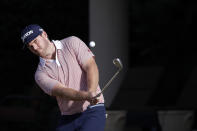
[71,94]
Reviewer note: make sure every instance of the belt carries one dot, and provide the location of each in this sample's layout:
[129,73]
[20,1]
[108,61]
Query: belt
[99,104]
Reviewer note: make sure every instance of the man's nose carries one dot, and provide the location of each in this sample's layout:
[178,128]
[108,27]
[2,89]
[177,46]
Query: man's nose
[35,47]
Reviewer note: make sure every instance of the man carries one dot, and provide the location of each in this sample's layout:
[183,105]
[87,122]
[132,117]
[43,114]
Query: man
[68,71]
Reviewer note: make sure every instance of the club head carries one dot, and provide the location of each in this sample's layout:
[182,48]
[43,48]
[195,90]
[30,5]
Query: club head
[118,63]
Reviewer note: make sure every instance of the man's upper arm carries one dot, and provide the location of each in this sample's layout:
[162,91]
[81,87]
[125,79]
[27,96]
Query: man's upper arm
[45,82]
[82,52]
[89,63]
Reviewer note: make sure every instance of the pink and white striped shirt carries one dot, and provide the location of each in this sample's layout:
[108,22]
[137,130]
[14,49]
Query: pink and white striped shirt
[71,55]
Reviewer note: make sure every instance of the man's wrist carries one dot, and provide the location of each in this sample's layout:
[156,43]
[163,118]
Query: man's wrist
[86,95]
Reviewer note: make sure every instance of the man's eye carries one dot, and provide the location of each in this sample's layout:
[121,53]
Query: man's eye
[30,46]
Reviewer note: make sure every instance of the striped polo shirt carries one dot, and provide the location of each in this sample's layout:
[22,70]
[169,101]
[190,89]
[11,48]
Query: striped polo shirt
[71,54]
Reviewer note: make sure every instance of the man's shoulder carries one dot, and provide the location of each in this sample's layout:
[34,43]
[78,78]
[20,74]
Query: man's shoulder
[39,68]
[40,72]
[70,39]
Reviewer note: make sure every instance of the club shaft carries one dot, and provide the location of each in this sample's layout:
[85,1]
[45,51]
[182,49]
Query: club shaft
[108,83]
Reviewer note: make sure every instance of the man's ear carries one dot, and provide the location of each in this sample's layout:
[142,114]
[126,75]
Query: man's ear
[44,34]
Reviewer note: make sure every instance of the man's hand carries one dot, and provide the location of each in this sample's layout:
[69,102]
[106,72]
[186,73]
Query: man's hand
[92,99]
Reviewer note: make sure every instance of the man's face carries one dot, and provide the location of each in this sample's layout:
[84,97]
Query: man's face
[39,45]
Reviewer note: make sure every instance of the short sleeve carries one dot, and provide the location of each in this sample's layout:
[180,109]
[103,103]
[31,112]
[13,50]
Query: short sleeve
[45,82]
[82,52]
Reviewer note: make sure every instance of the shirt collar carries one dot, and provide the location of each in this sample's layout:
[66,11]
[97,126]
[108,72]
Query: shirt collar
[58,46]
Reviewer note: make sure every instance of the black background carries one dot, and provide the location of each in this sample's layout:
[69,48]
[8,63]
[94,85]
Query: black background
[58,18]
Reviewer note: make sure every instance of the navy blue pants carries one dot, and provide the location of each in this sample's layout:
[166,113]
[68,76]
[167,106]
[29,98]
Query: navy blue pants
[92,119]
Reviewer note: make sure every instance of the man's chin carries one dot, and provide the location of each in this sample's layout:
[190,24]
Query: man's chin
[38,54]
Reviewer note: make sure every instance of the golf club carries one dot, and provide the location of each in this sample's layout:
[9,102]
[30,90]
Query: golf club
[119,65]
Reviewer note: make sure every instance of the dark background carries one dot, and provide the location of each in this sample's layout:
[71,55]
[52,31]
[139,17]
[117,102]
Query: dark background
[58,18]
[161,33]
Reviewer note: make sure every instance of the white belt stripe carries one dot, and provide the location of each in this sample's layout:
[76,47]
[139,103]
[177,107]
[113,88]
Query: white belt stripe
[96,105]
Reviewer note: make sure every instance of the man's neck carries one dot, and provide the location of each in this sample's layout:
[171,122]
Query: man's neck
[52,50]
